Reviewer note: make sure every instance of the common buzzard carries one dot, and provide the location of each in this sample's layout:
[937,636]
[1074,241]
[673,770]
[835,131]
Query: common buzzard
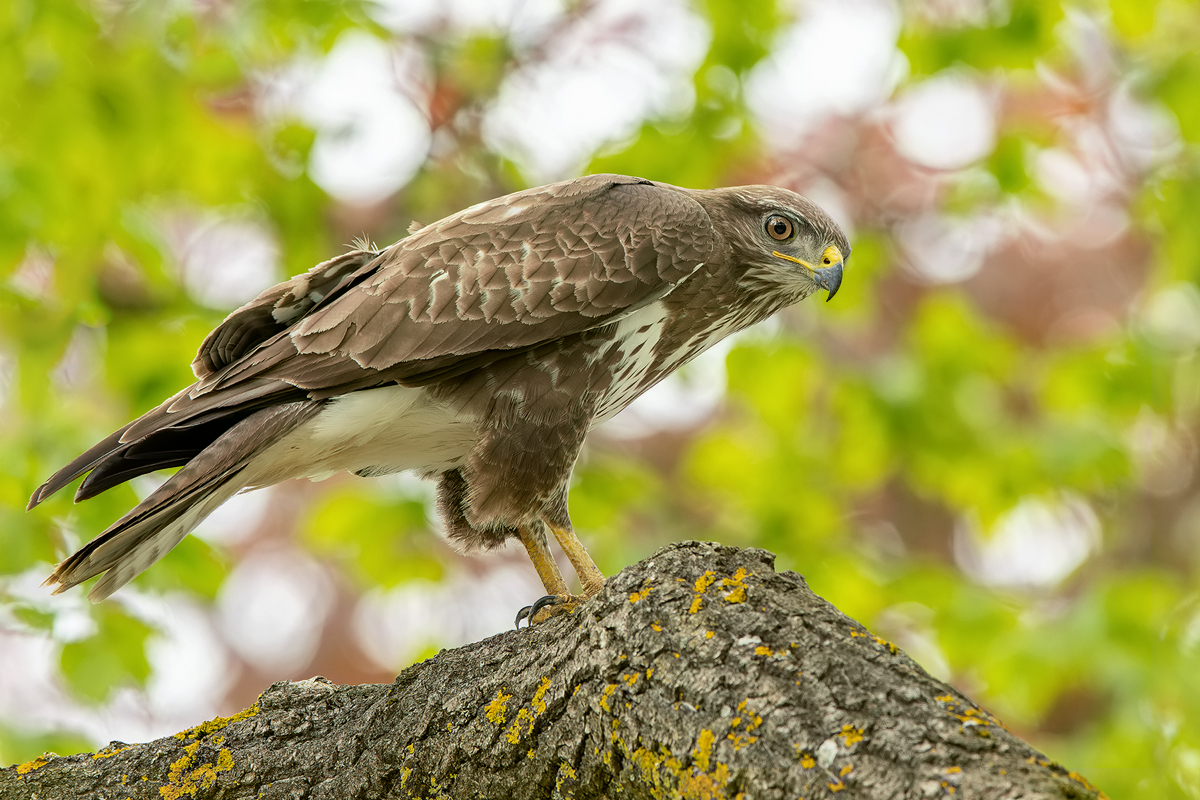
[478,352]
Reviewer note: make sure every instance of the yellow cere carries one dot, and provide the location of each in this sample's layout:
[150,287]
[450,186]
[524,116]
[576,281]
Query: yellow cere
[831,256]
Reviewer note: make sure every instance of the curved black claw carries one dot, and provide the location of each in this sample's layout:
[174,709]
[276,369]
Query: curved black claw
[528,612]
[525,613]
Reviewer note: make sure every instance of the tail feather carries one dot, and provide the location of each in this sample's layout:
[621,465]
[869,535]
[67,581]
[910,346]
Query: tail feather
[165,448]
[167,436]
[139,539]
[86,461]
[163,519]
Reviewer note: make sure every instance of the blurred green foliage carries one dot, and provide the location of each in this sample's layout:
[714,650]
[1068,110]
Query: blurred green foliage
[824,450]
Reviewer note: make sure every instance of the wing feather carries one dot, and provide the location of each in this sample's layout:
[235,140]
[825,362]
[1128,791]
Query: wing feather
[506,275]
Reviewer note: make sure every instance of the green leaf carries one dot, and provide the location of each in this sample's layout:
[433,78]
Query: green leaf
[112,658]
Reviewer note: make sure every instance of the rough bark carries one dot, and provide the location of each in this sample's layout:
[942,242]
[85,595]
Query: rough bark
[698,673]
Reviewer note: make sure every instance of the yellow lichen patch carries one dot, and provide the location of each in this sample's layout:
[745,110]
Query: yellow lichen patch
[735,587]
[656,626]
[539,697]
[837,786]
[879,640]
[845,770]
[763,650]
[806,760]
[1075,776]
[216,724]
[752,720]
[106,752]
[850,735]
[741,740]
[186,777]
[635,597]
[607,693]
[700,587]
[970,716]
[703,752]
[705,786]
[666,775]
[649,673]
[497,710]
[709,634]
[37,763]
[524,720]
[565,772]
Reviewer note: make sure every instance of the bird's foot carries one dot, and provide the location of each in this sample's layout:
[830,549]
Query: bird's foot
[551,605]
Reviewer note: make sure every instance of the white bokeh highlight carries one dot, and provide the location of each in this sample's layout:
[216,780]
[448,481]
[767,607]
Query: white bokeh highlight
[596,84]
[393,626]
[371,135]
[946,122]
[838,59]
[272,608]
[944,249]
[225,256]
[521,20]
[1037,544]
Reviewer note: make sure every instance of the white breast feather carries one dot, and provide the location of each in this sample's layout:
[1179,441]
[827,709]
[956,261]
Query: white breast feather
[636,340]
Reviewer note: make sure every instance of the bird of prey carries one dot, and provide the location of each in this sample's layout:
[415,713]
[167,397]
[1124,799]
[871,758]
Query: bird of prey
[477,352]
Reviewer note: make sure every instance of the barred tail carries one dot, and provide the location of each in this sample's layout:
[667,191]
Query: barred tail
[163,519]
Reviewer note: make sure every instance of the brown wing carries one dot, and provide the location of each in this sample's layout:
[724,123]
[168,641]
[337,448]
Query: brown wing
[504,275]
[508,274]
[278,308]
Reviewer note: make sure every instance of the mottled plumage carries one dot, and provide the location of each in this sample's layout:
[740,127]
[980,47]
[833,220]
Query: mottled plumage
[477,351]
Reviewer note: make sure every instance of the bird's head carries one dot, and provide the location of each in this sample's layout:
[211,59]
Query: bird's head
[782,239]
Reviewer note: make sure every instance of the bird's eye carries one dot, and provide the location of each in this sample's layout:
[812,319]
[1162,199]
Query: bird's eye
[779,228]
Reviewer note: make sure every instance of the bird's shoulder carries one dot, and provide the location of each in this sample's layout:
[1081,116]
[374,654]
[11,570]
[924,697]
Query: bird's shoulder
[506,273]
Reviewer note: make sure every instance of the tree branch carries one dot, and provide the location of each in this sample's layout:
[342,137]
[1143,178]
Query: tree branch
[697,673]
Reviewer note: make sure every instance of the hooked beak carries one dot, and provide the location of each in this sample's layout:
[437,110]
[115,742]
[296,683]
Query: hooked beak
[829,279]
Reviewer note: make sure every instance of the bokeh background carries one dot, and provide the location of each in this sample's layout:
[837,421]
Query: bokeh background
[985,448]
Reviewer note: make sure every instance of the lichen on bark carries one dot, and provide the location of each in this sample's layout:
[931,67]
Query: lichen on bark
[697,673]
